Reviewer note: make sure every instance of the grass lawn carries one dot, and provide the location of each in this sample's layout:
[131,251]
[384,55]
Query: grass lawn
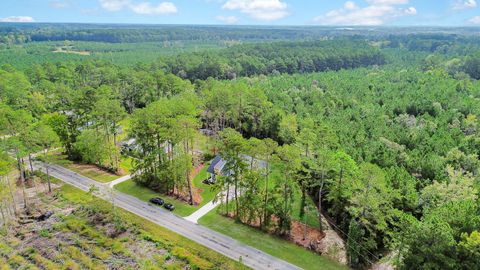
[312,217]
[143,193]
[272,245]
[181,208]
[90,171]
[125,124]
[208,192]
[203,143]
[126,164]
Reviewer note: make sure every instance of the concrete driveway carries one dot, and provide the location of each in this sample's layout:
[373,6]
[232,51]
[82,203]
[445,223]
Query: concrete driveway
[220,243]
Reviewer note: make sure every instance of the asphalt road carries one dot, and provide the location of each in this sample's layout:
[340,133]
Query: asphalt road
[220,243]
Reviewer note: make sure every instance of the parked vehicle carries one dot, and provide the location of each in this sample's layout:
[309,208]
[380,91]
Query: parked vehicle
[209,181]
[157,201]
[169,206]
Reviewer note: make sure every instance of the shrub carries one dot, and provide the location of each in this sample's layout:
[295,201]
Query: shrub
[194,261]
[45,233]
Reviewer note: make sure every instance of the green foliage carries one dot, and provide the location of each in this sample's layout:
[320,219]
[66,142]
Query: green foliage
[459,187]
[354,243]
[273,245]
[472,67]
[389,154]
[93,149]
[14,87]
[469,249]
[274,58]
[164,131]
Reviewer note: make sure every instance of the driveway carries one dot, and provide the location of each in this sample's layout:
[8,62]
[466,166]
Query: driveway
[220,243]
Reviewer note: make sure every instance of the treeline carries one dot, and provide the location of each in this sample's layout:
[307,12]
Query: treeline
[17,34]
[441,43]
[431,37]
[273,58]
[389,154]
[84,103]
[418,130]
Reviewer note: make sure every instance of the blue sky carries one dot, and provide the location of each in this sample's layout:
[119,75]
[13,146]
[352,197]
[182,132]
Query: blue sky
[269,12]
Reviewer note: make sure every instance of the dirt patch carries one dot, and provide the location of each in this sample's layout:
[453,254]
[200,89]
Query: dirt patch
[196,171]
[69,51]
[183,194]
[386,263]
[297,235]
[327,243]
[87,168]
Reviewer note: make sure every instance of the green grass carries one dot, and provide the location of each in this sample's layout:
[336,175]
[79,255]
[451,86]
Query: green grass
[143,193]
[93,172]
[272,245]
[126,164]
[312,217]
[102,177]
[208,192]
[125,124]
[181,208]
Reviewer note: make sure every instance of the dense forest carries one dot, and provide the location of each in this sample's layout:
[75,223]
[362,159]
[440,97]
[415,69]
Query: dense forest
[273,58]
[15,33]
[386,148]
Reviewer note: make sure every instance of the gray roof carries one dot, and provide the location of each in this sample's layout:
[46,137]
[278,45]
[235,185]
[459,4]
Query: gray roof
[218,163]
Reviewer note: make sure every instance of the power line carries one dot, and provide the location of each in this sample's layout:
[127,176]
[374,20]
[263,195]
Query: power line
[346,235]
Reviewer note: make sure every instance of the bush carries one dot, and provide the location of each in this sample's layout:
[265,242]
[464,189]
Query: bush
[44,233]
[93,149]
[194,261]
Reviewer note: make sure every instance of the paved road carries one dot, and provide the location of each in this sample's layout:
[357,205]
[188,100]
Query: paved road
[220,243]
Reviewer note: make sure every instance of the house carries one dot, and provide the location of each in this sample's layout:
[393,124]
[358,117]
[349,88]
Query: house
[131,145]
[217,167]
[127,146]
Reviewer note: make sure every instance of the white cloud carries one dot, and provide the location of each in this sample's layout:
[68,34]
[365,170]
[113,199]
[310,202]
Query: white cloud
[475,20]
[228,19]
[350,5]
[410,11]
[265,10]
[377,12]
[144,8]
[464,4]
[147,8]
[114,5]
[387,2]
[17,19]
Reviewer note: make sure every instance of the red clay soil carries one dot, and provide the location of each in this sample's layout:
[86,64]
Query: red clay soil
[298,231]
[196,171]
[184,196]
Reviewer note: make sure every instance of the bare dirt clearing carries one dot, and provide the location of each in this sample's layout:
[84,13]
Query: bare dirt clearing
[69,50]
